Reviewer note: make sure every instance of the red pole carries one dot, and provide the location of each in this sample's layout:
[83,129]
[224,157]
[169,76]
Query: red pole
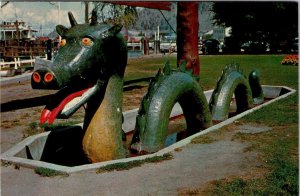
[187,36]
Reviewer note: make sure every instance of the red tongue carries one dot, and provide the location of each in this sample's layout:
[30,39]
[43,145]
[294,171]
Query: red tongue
[44,116]
[51,115]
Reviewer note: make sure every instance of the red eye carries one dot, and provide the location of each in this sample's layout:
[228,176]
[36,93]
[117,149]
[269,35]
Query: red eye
[48,77]
[86,41]
[63,42]
[36,77]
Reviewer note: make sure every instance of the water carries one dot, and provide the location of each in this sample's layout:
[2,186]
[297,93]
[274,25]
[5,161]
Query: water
[134,54]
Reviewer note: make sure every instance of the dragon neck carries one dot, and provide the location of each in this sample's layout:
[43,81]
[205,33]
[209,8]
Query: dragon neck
[103,139]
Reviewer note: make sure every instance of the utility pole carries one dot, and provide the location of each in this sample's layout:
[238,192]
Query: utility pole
[86,12]
[58,10]
[58,5]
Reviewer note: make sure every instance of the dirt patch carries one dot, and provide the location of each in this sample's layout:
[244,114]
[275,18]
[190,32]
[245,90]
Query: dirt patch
[253,128]
[133,98]
[249,161]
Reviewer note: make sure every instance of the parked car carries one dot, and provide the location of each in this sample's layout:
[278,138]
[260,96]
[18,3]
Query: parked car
[168,44]
[254,47]
[295,45]
[168,47]
[210,46]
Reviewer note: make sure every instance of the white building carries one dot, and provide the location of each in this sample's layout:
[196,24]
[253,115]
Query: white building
[219,33]
[16,30]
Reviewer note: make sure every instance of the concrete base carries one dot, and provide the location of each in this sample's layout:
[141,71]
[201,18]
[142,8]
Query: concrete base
[55,150]
[7,73]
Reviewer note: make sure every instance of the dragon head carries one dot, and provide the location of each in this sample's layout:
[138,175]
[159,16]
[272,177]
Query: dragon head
[88,55]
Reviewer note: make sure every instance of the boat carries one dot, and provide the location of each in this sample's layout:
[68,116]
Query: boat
[19,46]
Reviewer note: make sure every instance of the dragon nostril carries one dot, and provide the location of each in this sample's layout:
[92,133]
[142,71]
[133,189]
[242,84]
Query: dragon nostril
[48,77]
[36,77]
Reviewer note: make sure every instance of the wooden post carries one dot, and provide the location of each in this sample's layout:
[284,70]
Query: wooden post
[16,63]
[146,46]
[18,32]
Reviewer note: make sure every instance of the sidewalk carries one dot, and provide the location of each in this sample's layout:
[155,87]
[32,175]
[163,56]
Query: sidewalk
[15,79]
[192,166]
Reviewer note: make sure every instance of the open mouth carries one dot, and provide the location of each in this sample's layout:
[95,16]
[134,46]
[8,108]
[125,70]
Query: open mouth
[67,101]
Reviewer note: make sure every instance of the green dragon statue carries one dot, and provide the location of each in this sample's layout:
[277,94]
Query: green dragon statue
[89,68]
[233,83]
[168,88]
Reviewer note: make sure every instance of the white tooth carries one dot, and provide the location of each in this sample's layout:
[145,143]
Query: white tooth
[76,100]
[71,104]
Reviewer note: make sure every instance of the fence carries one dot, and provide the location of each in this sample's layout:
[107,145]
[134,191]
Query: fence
[17,63]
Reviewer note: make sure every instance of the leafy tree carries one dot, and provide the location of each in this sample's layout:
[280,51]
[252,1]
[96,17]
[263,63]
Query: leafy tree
[274,22]
[116,14]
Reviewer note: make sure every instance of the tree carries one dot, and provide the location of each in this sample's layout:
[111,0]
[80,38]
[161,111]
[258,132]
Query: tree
[274,22]
[116,14]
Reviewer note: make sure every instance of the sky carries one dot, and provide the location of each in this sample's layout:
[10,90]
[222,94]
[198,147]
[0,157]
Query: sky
[42,14]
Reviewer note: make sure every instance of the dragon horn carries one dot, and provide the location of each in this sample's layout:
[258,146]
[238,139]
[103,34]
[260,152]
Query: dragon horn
[94,17]
[72,19]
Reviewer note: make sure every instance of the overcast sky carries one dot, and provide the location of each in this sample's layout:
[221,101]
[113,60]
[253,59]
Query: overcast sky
[42,13]
[45,15]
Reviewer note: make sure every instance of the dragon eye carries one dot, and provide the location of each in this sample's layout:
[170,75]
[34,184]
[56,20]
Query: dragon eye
[63,42]
[86,41]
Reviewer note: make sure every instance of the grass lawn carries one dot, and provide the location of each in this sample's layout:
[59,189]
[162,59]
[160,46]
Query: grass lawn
[278,148]
[272,72]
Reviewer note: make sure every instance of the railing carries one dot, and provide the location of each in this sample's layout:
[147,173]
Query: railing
[134,45]
[17,63]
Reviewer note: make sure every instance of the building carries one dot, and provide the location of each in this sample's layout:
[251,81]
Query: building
[18,40]
[16,30]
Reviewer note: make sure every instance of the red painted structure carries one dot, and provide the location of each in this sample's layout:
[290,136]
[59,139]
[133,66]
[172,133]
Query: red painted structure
[187,36]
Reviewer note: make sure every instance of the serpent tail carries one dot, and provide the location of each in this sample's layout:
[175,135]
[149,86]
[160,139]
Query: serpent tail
[166,89]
